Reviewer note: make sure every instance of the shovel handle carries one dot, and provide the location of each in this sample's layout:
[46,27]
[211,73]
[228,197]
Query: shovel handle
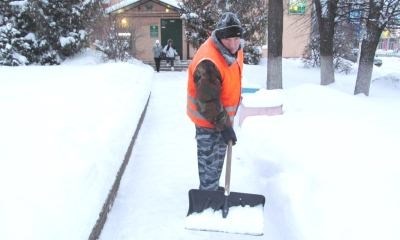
[228,168]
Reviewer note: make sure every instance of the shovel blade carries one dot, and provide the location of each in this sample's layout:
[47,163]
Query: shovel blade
[205,213]
[199,200]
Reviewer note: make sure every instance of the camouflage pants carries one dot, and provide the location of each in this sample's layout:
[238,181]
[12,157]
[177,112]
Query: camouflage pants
[211,150]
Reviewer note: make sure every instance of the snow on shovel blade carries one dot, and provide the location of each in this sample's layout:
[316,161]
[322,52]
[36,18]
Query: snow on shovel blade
[246,212]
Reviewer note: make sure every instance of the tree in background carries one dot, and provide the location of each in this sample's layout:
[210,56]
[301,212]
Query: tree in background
[367,19]
[325,14]
[13,41]
[275,30]
[379,15]
[50,30]
[344,39]
[201,17]
[253,16]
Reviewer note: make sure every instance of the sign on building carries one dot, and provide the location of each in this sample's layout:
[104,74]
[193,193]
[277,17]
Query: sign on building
[154,31]
[297,6]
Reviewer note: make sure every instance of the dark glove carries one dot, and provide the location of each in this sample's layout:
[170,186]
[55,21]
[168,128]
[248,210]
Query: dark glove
[229,135]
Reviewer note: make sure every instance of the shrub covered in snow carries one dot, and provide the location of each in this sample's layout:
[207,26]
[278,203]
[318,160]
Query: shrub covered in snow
[252,54]
[114,45]
[201,16]
[44,32]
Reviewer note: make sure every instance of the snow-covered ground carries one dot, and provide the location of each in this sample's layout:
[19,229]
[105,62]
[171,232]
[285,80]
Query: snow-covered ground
[328,166]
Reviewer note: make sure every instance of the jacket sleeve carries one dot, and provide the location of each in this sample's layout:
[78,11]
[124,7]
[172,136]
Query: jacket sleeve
[208,84]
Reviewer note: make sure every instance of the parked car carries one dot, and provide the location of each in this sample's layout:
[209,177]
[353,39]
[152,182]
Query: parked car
[377,62]
[354,54]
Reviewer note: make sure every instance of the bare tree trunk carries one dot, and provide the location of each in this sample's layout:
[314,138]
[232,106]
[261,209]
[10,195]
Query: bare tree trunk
[368,48]
[365,67]
[275,29]
[326,25]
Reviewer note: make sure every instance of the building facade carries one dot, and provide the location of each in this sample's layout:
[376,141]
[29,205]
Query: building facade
[390,41]
[296,27]
[145,21]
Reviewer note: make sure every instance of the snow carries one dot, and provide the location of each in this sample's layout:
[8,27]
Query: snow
[263,98]
[171,2]
[240,220]
[120,5]
[328,166]
[64,41]
[19,3]
[22,59]
[64,131]
[125,3]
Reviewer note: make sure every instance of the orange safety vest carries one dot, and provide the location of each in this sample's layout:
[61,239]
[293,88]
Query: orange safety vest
[231,82]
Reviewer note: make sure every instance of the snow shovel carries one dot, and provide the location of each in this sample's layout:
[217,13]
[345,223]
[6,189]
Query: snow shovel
[225,211]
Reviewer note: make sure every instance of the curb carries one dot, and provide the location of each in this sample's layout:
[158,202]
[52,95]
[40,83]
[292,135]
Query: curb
[107,206]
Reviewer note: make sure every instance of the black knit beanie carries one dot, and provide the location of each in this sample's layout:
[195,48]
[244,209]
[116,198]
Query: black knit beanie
[228,26]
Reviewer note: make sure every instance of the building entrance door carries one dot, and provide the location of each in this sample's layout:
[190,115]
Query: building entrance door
[172,29]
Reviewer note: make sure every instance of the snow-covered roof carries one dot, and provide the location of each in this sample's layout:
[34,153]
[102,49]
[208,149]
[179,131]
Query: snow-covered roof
[171,2]
[125,3]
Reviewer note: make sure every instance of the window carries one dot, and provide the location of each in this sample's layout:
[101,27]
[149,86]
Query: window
[297,6]
[153,31]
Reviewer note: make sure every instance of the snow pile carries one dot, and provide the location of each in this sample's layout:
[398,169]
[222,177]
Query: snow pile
[328,166]
[64,133]
[263,98]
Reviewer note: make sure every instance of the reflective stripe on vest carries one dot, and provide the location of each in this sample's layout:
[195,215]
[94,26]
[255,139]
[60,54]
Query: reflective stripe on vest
[191,112]
[230,87]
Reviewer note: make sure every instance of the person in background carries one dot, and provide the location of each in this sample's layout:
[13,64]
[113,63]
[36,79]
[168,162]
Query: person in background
[170,53]
[214,93]
[157,50]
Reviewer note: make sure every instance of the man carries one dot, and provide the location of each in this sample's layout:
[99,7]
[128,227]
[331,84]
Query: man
[214,89]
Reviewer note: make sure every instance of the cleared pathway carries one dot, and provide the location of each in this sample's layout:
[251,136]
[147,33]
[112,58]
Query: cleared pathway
[152,201]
